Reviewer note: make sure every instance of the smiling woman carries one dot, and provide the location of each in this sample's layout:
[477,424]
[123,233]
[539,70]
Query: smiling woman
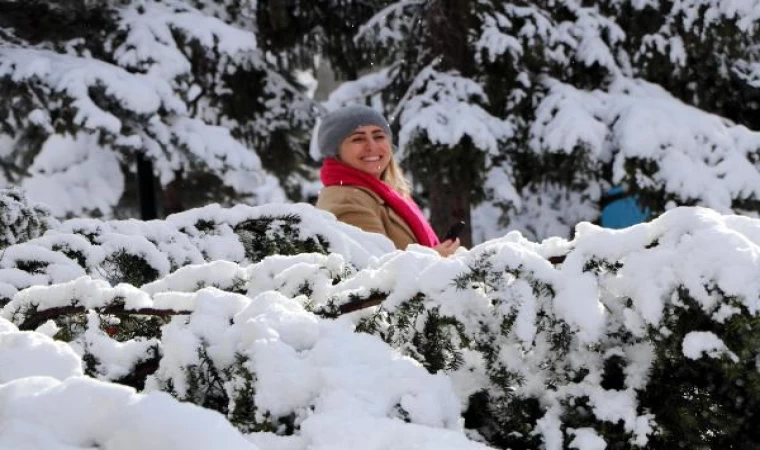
[364,185]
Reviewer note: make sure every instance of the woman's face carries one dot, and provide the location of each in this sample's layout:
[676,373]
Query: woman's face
[368,149]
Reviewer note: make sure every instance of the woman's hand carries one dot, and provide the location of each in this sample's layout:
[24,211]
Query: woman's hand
[448,247]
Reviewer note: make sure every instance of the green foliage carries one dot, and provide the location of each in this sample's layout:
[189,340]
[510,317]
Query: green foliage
[507,422]
[423,333]
[21,219]
[125,267]
[502,414]
[265,236]
[39,21]
[709,402]
[70,327]
[229,390]
[303,28]
[713,401]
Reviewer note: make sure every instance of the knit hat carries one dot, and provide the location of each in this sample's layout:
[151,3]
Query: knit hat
[339,124]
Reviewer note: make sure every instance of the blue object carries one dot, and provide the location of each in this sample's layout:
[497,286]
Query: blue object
[622,213]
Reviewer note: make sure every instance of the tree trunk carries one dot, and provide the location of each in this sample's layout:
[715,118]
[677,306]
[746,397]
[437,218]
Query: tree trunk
[449,24]
[146,188]
[172,196]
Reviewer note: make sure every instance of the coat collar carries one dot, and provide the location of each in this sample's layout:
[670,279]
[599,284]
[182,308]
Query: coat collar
[391,213]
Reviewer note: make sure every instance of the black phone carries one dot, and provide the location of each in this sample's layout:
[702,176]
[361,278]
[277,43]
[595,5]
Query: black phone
[454,231]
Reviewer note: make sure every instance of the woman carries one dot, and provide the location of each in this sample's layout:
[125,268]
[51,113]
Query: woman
[364,185]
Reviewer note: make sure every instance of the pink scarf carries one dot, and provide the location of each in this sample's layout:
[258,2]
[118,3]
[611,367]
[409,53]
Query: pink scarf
[336,173]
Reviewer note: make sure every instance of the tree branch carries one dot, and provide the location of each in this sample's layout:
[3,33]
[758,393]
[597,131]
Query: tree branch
[31,323]
[373,300]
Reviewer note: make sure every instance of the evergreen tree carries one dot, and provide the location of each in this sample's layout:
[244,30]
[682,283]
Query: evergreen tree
[529,113]
[303,34]
[89,87]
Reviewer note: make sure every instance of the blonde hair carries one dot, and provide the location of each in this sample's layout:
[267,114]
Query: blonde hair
[393,176]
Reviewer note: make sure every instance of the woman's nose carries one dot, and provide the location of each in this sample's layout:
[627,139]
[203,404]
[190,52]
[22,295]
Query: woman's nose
[373,144]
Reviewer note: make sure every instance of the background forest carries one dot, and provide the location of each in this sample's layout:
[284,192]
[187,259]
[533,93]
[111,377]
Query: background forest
[525,115]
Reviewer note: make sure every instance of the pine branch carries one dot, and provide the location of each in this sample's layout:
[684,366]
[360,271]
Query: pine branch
[43,316]
[373,300]
[376,299]
[559,259]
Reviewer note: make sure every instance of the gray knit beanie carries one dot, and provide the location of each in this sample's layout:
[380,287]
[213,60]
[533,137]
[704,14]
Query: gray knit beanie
[338,125]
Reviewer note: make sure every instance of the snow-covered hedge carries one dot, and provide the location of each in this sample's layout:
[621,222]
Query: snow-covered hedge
[646,337]
[137,252]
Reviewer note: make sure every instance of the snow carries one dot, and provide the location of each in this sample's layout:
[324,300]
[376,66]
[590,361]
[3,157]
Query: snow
[339,386]
[384,26]
[115,359]
[220,274]
[698,158]
[329,375]
[68,170]
[586,439]
[93,247]
[83,413]
[29,354]
[357,90]
[300,361]
[149,41]
[445,111]
[74,76]
[699,343]
[134,99]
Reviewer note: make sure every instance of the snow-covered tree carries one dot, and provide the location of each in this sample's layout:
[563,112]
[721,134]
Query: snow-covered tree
[304,33]
[528,113]
[89,88]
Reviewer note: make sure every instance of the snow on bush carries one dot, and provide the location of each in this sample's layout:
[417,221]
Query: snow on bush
[265,362]
[80,413]
[21,219]
[45,402]
[645,337]
[139,252]
[29,354]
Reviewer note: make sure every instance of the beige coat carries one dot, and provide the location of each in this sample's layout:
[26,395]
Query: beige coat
[363,208]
